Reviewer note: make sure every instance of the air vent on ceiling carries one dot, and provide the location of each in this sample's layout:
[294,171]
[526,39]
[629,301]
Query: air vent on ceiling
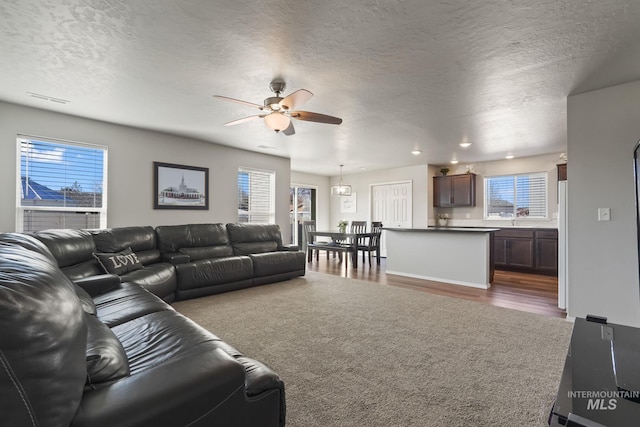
[47,98]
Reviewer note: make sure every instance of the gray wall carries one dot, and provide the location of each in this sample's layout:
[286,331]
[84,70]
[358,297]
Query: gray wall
[132,152]
[603,128]
[361,184]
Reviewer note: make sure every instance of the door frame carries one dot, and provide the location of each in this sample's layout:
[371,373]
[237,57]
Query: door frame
[383,248]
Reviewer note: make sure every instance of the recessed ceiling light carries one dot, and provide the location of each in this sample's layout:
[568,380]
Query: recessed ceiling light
[509,156]
[454,162]
[465,144]
[416,152]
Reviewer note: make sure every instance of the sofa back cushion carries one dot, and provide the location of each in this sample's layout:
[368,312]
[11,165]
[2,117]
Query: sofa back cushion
[199,241]
[43,338]
[141,239]
[73,250]
[254,238]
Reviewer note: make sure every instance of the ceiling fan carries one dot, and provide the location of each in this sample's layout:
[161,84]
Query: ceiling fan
[278,111]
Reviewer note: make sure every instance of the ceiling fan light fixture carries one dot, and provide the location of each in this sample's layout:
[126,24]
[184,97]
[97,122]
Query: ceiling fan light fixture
[341,189]
[277,121]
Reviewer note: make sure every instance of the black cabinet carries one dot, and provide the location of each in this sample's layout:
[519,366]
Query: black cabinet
[546,242]
[452,191]
[531,250]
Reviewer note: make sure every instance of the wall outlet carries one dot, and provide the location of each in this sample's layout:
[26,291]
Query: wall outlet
[604,214]
[468,215]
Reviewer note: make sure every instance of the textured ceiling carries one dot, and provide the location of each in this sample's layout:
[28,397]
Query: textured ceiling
[402,75]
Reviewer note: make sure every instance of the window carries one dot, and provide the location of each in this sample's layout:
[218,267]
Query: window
[61,185]
[516,196]
[256,196]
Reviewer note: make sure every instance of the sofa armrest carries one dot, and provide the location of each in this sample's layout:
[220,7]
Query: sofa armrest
[176,392]
[176,258]
[98,285]
[291,248]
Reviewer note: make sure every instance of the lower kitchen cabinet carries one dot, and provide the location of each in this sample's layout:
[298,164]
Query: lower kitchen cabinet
[531,250]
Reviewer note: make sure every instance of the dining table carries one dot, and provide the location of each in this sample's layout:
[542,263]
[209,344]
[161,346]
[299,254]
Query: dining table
[346,238]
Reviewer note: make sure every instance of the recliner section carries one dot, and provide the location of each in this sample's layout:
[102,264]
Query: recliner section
[104,351]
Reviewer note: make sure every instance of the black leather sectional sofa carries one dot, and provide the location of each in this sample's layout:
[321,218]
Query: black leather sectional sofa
[88,338]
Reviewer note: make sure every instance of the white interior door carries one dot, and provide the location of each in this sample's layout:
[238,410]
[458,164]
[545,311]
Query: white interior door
[392,205]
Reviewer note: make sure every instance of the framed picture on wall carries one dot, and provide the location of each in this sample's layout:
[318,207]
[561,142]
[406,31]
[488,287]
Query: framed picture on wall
[180,187]
[348,203]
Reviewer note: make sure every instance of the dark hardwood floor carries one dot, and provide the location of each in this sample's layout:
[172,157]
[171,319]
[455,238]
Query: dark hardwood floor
[520,291]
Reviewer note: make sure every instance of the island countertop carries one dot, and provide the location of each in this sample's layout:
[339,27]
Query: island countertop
[448,229]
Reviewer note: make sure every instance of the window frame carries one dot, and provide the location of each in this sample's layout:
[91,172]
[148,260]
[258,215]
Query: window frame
[543,175]
[20,209]
[272,196]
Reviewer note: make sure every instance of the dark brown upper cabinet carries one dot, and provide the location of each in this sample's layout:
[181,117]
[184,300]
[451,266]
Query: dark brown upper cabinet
[451,191]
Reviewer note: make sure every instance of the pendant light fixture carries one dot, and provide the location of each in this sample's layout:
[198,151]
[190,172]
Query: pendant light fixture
[341,189]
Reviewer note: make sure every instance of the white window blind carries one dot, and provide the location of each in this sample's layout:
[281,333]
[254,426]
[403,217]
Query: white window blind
[61,185]
[512,196]
[256,196]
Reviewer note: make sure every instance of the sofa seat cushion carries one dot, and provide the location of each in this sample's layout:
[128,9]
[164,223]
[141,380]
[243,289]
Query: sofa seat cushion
[160,279]
[157,337]
[128,302]
[211,272]
[273,263]
[205,252]
[106,359]
[199,386]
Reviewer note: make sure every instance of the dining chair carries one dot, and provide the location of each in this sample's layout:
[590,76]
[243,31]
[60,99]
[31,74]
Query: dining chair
[373,242]
[358,227]
[312,244]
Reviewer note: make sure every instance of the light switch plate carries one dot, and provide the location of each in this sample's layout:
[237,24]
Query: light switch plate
[604,214]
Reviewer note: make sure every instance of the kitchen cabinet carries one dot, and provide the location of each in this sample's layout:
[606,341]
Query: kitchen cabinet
[526,249]
[452,191]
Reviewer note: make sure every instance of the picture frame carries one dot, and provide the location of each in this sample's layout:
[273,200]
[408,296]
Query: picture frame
[180,186]
[348,204]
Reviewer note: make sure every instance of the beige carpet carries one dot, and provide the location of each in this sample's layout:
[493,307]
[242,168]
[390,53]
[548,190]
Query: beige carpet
[355,353]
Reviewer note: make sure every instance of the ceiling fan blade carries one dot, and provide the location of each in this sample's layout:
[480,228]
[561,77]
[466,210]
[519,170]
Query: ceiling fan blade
[296,98]
[315,117]
[243,120]
[290,130]
[249,104]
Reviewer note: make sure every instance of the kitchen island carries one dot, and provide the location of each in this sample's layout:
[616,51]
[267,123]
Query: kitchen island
[461,256]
